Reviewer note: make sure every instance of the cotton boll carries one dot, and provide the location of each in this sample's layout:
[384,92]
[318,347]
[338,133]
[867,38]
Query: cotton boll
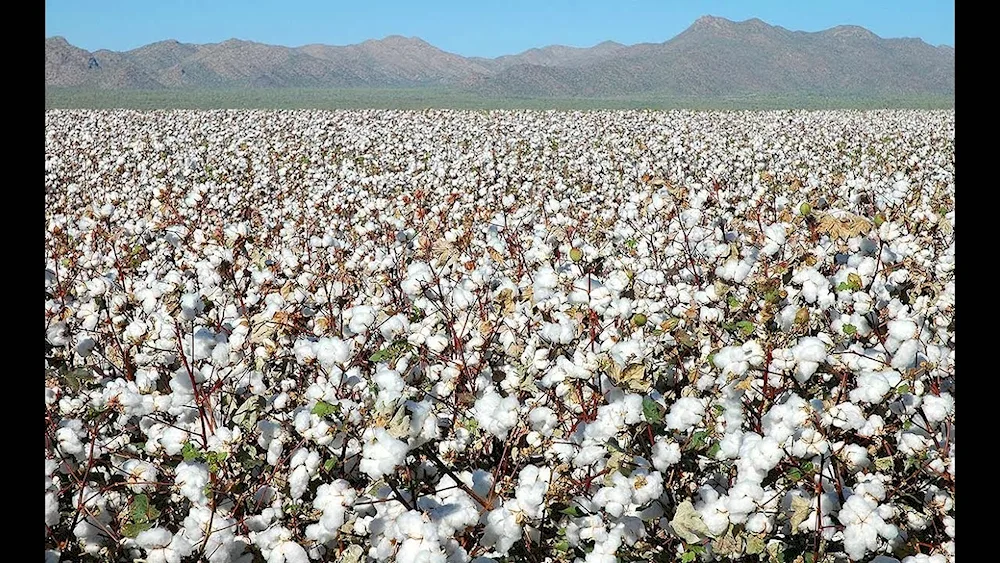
[381,453]
[288,552]
[809,352]
[665,454]
[502,530]
[389,383]
[872,387]
[496,414]
[543,420]
[937,408]
[685,413]
[191,478]
[906,355]
[331,352]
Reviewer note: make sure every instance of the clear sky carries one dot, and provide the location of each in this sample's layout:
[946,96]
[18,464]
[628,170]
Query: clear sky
[486,28]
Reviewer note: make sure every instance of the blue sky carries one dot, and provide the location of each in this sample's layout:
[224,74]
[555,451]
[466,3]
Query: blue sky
[486,28]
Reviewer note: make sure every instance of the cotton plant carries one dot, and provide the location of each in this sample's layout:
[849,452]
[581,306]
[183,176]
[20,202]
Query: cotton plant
[467,336]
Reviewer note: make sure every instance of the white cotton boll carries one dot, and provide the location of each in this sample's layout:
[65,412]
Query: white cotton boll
[665,454]
[330,352]
[192,478]
[532,484]
[139,475]
[496,414]
[906,355]
[191,306]
[872,387]
[775,237]
[298,482]
[390,385]
[936,408]
[855,457]
[502,530]
[304,350]
[394,327]
[543,420]
[685,413]
[154,538]
[646,486]
[626,352]
[51,509]
[288,552]
[902,329]
[418,275]
[381,453]
[809,352]
[926,558]
[362,317]
[436,343]
[613,499]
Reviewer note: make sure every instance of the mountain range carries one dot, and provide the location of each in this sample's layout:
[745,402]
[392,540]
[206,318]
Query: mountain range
[712,57]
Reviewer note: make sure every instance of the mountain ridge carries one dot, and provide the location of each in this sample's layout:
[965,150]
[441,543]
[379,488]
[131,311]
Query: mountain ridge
[714,56]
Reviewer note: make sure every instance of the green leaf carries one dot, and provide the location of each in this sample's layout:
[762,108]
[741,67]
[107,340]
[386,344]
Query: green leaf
[140,507]
[808,467]
[746,327]
[133,529]
[570,511]
[651,411]
[903,389]
[190,451]
[884,463]
[381,355]
[323,409]
[843,286]
[562,546]
[850,329]
[733,302]
[714,450]
[697,440]
[688,557]
[794,474]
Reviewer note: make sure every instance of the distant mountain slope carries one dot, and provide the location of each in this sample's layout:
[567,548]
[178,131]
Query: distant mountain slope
[713,57]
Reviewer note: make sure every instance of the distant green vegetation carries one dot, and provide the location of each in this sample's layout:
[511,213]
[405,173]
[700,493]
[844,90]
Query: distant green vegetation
[423,98]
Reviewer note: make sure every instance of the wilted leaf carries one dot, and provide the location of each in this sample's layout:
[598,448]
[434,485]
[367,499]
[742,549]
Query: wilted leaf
[688,525]
[800,511]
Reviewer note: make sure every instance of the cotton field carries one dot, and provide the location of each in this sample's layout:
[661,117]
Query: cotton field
[499,336]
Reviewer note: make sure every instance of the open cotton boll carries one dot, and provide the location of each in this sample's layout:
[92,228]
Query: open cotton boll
[774,236]
[937,407]
[665,453]
[139,475]
[926,558]
[532,484]
[496,414]
[502,530]
[418,275]
[191,478]
[192,305]
[872,386]
[332,351]
[390,385]
[906,355]
[381,453]
[809,352]
[361,318]
[288,552]
[685,413]
[543,420]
